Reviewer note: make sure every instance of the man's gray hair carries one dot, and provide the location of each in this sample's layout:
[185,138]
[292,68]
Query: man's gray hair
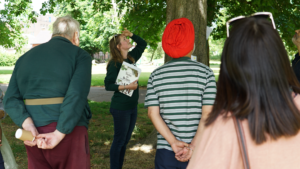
[66,26]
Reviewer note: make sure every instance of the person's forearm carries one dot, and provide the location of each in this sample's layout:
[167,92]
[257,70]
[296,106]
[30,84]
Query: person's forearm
[199,132]
[123,87]
[160,125]
[141,43]
[298,50]
[205,112]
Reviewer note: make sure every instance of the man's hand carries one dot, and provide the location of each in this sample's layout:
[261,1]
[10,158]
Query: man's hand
[29,126]
[185,154]
[178,146]
[49,140]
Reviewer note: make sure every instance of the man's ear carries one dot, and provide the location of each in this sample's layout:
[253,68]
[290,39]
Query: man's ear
[75,39]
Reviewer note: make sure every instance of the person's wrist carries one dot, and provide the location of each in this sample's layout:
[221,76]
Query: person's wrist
[59,134]
[172,141]
[131,34]
[124,87]
[192,147]
[27,122]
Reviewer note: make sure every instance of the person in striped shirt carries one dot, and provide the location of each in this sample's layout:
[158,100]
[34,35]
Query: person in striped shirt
[180,95]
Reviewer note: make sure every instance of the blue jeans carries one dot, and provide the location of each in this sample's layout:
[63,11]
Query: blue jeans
[165,159]
[1,162]
[124,122]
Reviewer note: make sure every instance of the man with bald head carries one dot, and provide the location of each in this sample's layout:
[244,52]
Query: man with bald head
[47,95]
[180,95]
[296,61]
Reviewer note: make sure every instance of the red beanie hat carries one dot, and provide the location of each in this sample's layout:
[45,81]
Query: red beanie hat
[178,38]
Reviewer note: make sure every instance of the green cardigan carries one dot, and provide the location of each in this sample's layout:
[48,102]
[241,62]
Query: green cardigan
[53,69]
[119,100]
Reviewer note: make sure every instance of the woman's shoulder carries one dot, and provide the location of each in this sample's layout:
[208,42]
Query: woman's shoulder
[221,129]
[113,64]
[224,120]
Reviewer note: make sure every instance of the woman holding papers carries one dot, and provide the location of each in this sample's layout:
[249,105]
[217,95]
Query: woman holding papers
[123,108]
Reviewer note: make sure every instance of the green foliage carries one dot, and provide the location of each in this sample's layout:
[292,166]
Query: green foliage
[8,59]
[99,6]
[286,14]
[97,26]
[147,19]
[16,14]
[100,19]
[215,49]
[158,53]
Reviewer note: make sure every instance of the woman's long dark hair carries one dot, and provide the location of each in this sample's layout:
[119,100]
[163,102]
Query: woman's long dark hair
[115,53]
[256,80]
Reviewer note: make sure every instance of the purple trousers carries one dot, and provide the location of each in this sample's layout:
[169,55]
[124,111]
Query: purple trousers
[71,153]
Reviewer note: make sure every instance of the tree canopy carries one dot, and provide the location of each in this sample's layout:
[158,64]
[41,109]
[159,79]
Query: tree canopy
[96,27]
[147,18]
[12,19]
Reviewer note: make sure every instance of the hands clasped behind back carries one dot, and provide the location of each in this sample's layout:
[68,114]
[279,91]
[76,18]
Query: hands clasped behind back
[43,141]
[49,140]
[182,150]
[29,126]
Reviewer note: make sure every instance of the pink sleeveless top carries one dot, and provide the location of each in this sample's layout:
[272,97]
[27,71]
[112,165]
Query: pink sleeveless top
[219,148]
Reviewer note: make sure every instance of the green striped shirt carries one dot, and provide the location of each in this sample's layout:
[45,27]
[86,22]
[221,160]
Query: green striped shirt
[180,88]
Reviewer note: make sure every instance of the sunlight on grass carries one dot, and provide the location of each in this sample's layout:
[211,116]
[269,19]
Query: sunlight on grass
[144,148]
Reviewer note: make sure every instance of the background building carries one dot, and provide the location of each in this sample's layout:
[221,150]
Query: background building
[39,32]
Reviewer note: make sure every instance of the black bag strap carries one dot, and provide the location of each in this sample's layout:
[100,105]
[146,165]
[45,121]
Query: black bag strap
[242,142]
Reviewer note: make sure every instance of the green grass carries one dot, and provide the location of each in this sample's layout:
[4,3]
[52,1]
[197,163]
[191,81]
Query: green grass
[6,71]
[98,79]
[101,133]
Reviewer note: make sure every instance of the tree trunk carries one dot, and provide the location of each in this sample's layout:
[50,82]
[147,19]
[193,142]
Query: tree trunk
[153,55]
[196,11]
[207,51]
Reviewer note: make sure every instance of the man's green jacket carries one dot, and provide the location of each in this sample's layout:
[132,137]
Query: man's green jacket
[53,69]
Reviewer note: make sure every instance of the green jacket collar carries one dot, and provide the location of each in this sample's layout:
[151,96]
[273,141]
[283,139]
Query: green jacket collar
[61,38]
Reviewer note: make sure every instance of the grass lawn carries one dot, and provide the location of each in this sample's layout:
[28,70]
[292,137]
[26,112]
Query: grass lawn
[100,139]
[6,72]
[98,79]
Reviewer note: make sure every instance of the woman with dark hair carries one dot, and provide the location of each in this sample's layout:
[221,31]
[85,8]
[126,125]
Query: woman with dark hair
[258,90]
[123,108]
